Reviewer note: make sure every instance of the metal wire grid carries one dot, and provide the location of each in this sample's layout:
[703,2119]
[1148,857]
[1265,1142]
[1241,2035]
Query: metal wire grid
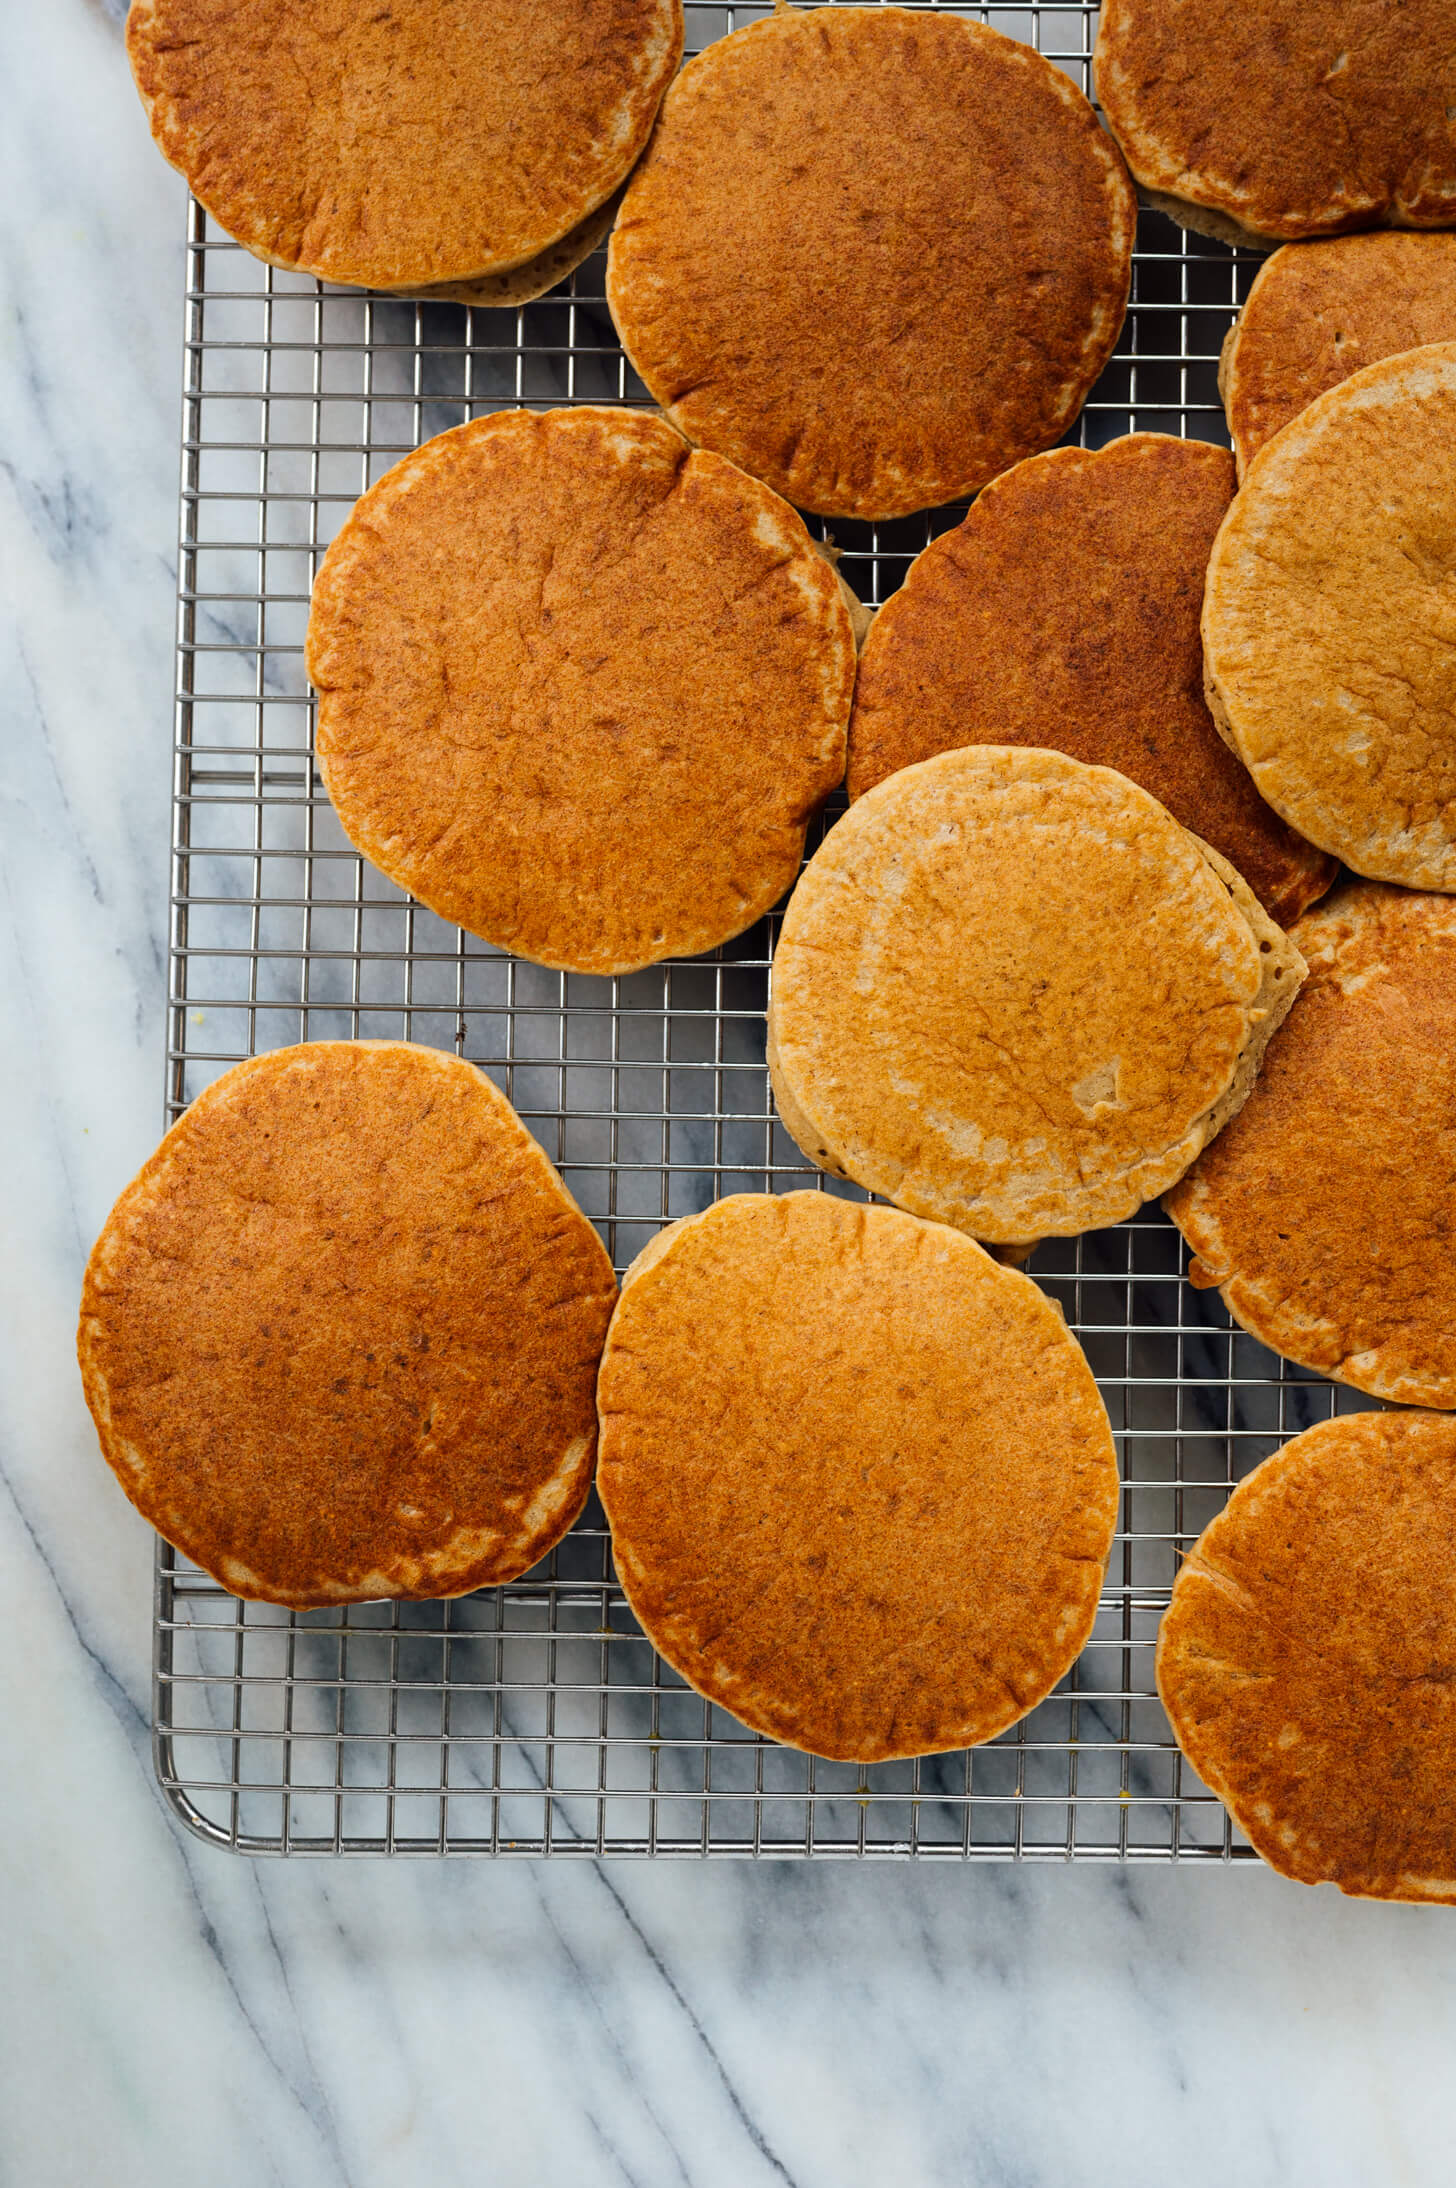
[535,1719]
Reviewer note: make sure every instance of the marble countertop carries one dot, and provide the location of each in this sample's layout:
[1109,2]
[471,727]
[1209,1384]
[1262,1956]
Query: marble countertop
[174,2012]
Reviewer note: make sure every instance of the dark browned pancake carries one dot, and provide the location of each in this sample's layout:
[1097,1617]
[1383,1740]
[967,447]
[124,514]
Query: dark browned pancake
[580,686]
[1320,311]
[340,1335]
[1285,118]
[872,255]
[1326,1213]
[408,145]
[1308,1657]
[860,1480]
[1064,613]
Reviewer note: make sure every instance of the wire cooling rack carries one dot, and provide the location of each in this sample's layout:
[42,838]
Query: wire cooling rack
[535,1719]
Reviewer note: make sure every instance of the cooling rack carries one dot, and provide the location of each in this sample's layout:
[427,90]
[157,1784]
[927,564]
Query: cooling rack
[535,1719]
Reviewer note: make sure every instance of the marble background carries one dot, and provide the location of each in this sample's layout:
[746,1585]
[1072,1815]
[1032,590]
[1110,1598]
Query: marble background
[171,2012]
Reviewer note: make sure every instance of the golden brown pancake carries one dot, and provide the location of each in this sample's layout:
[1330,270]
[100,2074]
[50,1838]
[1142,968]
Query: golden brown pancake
[1306,1659]
[407,144]
[580,687]
[1329,621]
[340,1335]
[1012,994]
[1321,311]
[873,255]
[1064,613]
[1326,1214]
[1287,119]
[860,1481]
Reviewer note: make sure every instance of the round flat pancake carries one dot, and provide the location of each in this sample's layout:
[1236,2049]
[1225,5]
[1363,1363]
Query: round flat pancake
[1326,1214]
[404,145]
[1064,613]
[1321,311]
[580,687]
[1012,994]
[860,1481]
[873,255]
[1329,621]
[1292,118]
[340,1335]
[1306,1657]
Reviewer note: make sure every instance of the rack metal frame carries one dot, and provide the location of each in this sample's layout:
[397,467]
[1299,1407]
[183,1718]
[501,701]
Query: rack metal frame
[535,1719]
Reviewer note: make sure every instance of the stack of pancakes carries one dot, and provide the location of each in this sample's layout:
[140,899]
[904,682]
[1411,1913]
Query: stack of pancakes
[584,679]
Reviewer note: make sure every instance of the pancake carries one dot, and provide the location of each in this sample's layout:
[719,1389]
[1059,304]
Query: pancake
[1329,621]
[1012,994]
[522,284]
[1294,118]
[860,1481]
[340,1335]
[1326,1214]
[580,688]
[408,145]
[1317,314]
[1306,1657]
[872,255]
[1064,613]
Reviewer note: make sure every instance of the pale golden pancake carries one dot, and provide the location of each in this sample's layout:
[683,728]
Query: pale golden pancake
[580,687]
[1307,1658]
[1288,118]
[1326,1214]
[406,145]
[1064,613]
[860,1481]
[1320,311]
[1012,994]
[1329,621]
[340,1335]
[873,255]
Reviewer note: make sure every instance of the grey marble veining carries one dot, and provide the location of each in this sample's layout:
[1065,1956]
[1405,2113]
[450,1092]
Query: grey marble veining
[170,2013]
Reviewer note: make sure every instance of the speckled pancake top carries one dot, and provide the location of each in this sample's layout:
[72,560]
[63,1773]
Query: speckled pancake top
[1064,613]
[1319,312]
[401,143]
[340,1335]
[1308,1657]
[580,687]
[873,255]
[1329,621]
[1326,1213]
[1012,994]
[1287,118]
[860,1481]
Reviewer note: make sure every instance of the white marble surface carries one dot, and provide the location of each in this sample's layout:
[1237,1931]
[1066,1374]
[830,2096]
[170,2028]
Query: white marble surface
[173,2013]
